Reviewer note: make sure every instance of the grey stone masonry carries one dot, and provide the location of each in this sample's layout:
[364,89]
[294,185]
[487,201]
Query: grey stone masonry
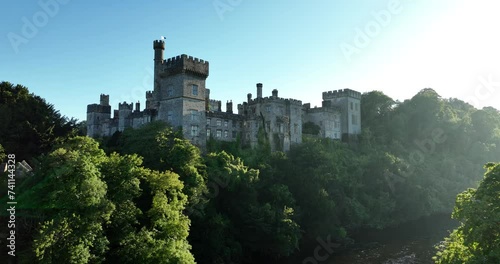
[181,99]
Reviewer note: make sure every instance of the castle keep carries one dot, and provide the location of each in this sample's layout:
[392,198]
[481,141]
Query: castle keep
[180,98]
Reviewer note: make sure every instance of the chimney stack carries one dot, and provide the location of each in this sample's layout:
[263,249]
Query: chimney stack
[138,106]
[229,107]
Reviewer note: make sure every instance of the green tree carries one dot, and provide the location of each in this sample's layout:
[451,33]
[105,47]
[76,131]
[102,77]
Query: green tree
[240,224]
[2,153]
[72,195]
[29,126]
[100,209]
[477,240]
[165,149]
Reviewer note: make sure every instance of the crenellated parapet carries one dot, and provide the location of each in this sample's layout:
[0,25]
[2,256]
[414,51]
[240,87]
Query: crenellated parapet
[98,108]
[214,105]
[341,93]
[149,94]
[159,44]
[125,106]
[331,109]
[185,64]
[104,99]
[279,100]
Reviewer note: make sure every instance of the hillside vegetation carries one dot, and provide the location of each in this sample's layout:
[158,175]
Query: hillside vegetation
[149,196]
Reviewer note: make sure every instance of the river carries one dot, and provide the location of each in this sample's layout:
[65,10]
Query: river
[409,243]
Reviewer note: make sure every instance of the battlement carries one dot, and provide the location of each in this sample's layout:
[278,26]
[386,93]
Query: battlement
[214,105]
[104,99]
[98,108]
[125,106]
[186,64]
[159,44]
[280,100]
[330,109]
[149,94]
[341,93]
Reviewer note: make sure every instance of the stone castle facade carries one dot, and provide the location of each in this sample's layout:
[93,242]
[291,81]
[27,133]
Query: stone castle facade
[181,99]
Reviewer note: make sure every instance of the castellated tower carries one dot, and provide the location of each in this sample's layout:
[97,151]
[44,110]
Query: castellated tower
[98,116]
[180,98]
[349,103]
[179,93]
[124,111]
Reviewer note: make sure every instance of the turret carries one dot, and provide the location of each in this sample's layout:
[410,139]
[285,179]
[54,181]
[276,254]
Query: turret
[259,90]
[159,47]
[275,93]
[104,99]
[97,115]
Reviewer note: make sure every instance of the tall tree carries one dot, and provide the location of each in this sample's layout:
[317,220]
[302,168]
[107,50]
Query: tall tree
[477,240]
[29,125]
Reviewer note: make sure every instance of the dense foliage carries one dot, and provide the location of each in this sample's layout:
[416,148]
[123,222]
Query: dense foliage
[94,208]
[29,125]
[477,240]
[149,196]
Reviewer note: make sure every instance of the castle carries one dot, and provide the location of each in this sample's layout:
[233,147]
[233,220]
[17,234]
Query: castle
[181,99]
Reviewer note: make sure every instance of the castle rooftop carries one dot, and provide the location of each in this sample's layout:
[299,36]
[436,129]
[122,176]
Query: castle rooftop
[185,64]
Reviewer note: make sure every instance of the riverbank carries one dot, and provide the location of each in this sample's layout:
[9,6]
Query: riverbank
[411,242]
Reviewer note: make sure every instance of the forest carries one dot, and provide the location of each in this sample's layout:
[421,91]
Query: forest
[149,196]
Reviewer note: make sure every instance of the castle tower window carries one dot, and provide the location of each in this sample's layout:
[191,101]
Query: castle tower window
[219,133]
[354,119]
[219,122]
[225,123]
[194,89]
[226,134]
[356,106]
[170,91]
[169,116]
[208,132]
[234,134]
[351,106]
[208,121]
[194,115]
[268,108]
[194,130]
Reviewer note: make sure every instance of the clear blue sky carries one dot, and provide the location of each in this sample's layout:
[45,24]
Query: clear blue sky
[80,49]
